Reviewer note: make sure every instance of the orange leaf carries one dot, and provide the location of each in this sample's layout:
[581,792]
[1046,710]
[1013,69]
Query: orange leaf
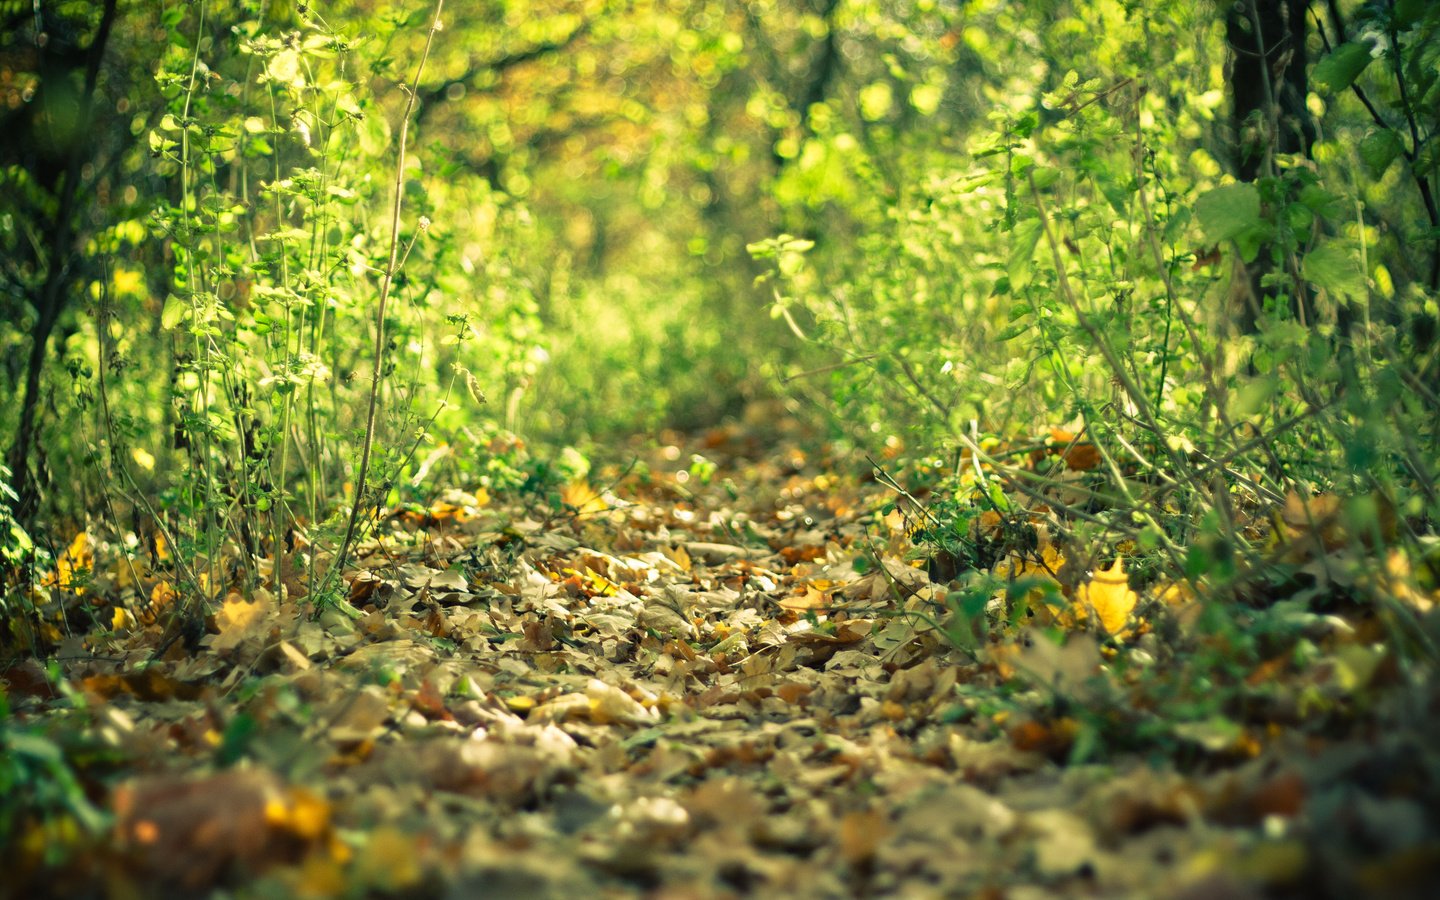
[812,598]
[1081,457]
[861,834]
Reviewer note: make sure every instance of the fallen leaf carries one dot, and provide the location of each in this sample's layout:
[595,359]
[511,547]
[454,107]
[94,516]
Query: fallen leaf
[188,832]
[239,620]
[861,834]
[1108,594]
[582,498]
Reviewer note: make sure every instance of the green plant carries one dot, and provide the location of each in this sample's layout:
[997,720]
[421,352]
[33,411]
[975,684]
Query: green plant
[47,813]
[16,547]
[1070,272]
[271,138]
[20,558]
[387,278]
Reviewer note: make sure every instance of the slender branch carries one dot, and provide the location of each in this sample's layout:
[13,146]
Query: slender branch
[810,373]
[1411,153]
[1272,97]
[377,373]
[429,99]
[1422,180]
[941,407]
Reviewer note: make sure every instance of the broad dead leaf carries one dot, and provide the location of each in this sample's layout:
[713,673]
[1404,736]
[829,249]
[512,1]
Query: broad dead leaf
[188,832]
[582,498]
[1108,594]
[79,557]
[861,834]
[240,620]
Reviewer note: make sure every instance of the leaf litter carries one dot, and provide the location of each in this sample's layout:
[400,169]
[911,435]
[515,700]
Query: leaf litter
[755,683]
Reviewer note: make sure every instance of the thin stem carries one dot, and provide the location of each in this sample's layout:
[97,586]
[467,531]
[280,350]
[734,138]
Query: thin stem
[377,372]
[1272,104]
[203,356]
[1421,180]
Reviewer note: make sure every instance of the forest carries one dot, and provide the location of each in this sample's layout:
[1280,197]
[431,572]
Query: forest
[712,448]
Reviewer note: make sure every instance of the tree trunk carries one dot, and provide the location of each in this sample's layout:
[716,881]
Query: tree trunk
[1268,85]
[56,290]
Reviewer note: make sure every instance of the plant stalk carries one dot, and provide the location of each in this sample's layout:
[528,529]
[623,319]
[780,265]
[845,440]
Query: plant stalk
[386,281]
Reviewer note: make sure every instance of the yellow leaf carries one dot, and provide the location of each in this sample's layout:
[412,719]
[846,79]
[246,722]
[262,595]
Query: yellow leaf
[81,550]
[129,282]
[143,458]
[391,859]
[1108,594]
[680,556]
[301,812]
[79,557]
[238,620]
[579,496]
[1175,593]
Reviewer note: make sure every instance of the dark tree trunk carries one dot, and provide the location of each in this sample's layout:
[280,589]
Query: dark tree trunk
[57,288]
[1268,84]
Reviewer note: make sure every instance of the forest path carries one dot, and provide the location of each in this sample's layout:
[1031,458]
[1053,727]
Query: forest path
[706,681]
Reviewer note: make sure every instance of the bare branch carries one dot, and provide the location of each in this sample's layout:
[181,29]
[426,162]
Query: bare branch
[428,99]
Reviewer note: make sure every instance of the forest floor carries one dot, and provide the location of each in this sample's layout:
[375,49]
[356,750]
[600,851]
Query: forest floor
[709,683]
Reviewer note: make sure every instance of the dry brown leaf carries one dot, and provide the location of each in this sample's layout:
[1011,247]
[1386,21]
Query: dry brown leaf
[240,620]
[861,834]
[810,597]
[186,833]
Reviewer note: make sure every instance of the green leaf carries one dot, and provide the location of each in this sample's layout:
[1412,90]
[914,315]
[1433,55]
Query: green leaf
[236,740]
[1045,177]
[34,746]
[1339,70]
[174,313]
[1428,158]
[1408,12]
[926,98]
[1014,330]
[1379,149]
[1228,211]
[1251,240]
[1252,396]
[284,67]
[1335,267]
[1025,239]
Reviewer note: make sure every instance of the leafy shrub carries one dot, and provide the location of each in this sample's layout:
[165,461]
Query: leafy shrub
[1085,264]
[47,814]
